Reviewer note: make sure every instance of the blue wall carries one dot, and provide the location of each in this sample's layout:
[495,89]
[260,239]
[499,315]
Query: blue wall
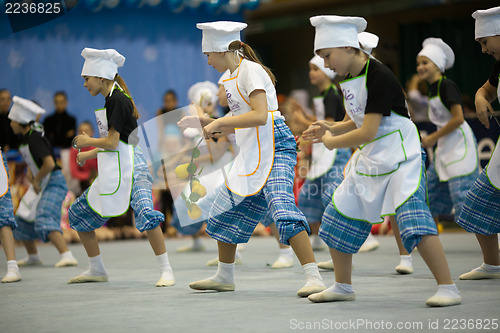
[163,51]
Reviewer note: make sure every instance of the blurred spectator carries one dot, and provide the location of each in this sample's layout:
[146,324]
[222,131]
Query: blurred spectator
[88,172]
[417,98]
[60,127]
[8,140]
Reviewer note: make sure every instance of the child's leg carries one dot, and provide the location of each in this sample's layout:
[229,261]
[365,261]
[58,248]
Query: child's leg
[84,220]
[26,233]
[157,242]
[405,265]
[7,240]
[432,252]
[481,215]
[285,258]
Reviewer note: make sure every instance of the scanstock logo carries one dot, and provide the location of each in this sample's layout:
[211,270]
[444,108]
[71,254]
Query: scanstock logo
[26,14]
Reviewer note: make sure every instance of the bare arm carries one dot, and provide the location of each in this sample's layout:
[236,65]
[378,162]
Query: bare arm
[48,165]
[483,99]
[457,118]
[256,117]
[355,137]
[108,143]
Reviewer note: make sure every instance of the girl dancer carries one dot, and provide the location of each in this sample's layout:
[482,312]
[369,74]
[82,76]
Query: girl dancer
[481,211]
[384,176]
[39,212]
[124,179]
[261,177]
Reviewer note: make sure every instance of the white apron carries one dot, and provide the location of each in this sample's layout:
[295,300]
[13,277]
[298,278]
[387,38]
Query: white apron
[383,173]
[493,167]
[322,158]
[4,178]
[109,194]
[255,146]
[29,201]
[456,153]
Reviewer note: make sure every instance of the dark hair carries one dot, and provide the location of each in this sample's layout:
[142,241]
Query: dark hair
[4,90]
[123,85]
[61,93]
[88,122]
[250,54]
[170,92]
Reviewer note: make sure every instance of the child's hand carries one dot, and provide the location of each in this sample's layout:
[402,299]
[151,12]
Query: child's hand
[81,141]
[37,187]
[482,108]
[327,140]
[428,141]
[81,158]
[211,129]
[315,131]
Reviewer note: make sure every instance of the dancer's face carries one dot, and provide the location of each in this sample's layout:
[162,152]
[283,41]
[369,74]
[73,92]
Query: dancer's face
[491,45]
[93,85]
[338,59]
[426,69]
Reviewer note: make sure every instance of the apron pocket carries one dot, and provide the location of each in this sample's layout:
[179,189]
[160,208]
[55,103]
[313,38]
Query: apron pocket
[451,148]
[249,156]
[109,172]
[382,156]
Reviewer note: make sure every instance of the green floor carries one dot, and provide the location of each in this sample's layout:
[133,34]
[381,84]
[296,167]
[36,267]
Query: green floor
[264,301]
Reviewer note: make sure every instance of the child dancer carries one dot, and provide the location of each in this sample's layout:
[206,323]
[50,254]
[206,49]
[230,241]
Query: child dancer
[39,212]
[7,224]
[261,177]
[124,179]
[455,165]
[384,176]
[481,211]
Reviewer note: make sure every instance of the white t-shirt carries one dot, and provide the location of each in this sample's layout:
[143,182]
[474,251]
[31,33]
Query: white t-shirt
[252,76]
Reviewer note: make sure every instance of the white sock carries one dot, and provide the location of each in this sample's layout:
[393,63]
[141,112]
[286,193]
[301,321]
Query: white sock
[448,290]
[197,243]
[96,267]
[287,253]
[12,266]
[313,277]
[488,268]
[225,273]
[165,269]
[34,258]
[405,260]
[341,288]
[237,255]
[67,255]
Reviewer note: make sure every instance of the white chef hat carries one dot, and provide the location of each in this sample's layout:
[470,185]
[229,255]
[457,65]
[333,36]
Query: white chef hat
[320,63]
[223,77]
[218,35]
[368,41]
[487,22]
[438,52]
[24,111]
[101,63]
[203,92]
[337,31]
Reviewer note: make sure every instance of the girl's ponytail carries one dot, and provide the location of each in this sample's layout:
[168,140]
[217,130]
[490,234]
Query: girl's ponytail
[123,85]
[249,54]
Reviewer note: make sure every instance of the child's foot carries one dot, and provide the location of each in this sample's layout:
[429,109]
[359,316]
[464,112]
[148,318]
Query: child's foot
[88,277]
[285,260]
[11,277]
[328,265]
[166,280]
[405,265]
[484,271]
[447,295]
[337,292]
[31,260]
[223,280]
[370,244]
[314,282]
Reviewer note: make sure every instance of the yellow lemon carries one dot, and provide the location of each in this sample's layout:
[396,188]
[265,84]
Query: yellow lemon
[181,171]
[194,212]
